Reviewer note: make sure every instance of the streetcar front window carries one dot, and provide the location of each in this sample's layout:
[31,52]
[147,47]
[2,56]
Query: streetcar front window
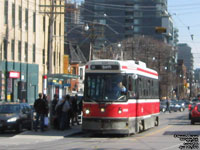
[105,87]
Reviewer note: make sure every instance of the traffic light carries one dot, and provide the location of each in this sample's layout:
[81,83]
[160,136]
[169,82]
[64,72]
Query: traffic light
[160,30]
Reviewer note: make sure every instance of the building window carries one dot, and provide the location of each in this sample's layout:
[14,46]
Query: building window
[59,58]
[74,71]
[81,73]
[34,21]
[33,52]
[13,50]
[137,29]
[44,23]
[138,14]
[137,21]
[54,27]
[26,19]
[20,17]
[13,15]
[60,29]
[54,58]
[6,12]
[43,54]
[5,43]
[26,52]
[19,50]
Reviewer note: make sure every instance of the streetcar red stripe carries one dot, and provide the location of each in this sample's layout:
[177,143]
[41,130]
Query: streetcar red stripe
[145,71]
[129,110]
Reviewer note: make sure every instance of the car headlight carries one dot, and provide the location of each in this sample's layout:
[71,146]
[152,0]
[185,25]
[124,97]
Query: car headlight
[12,119]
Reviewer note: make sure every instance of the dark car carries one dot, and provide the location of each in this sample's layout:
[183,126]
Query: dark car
[177,105]
[195,114]
[15,116]
[163,105]
[182,104]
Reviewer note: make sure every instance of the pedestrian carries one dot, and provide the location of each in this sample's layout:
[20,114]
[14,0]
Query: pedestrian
[62,111]
[40,109]
[55,121]
[168,105]
[74,110]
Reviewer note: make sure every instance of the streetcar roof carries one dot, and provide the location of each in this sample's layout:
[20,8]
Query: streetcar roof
[119,66]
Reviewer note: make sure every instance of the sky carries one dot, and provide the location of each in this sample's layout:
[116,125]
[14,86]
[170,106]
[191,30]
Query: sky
[186,18]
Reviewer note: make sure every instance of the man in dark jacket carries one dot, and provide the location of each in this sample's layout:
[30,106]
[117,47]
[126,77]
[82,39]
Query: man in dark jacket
[53,112]
[74,110]
[40,109]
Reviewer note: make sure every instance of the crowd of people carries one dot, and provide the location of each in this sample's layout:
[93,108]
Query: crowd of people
[63,113]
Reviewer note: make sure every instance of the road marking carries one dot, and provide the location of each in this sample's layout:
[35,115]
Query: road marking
[150,134]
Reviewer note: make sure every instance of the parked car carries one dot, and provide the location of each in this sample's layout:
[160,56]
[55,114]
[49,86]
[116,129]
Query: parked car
[15,116]
[186,102]
[182,104]
[176,105]
[195,114]
[163,106]
[192,104]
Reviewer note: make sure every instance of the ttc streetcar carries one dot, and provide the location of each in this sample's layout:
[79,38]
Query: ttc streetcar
[120,97]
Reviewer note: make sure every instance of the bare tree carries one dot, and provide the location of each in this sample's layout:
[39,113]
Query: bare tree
[156,54]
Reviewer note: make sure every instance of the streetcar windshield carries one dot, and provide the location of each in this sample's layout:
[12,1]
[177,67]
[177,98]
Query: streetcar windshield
[105,87]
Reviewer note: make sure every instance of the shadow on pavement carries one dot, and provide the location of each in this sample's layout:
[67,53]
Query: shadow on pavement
[53,132]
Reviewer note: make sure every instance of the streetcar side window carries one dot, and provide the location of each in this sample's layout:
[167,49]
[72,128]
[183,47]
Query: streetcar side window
[140,88]
[131,87]
[147,87]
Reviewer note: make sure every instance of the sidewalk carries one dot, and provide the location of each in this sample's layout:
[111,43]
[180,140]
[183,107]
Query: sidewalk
[30,137]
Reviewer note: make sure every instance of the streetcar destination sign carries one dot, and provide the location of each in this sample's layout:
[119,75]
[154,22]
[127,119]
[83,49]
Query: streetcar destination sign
[104,67]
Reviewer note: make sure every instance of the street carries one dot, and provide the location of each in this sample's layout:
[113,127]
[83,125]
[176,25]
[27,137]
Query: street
[164,137]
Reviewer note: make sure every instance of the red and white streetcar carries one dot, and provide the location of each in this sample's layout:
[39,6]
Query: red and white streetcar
[120,97]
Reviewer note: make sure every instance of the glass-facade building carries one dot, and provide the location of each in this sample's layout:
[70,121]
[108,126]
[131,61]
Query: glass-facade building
[115,20]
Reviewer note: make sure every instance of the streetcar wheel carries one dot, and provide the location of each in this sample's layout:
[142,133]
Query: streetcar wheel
[156,121]
[141,127]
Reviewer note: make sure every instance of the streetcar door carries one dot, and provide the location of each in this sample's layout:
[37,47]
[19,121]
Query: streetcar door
[133,95]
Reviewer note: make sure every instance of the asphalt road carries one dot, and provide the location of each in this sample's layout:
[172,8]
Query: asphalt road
[171,134]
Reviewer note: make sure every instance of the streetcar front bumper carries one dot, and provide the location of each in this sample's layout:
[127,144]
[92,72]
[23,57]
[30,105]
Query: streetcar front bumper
[108,126]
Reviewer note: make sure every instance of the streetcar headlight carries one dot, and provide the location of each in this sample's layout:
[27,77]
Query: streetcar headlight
[102,110]
[87,111]
[120,111]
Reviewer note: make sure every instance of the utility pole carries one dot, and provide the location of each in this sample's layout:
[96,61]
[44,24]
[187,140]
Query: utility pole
[92,38]
[50,38]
